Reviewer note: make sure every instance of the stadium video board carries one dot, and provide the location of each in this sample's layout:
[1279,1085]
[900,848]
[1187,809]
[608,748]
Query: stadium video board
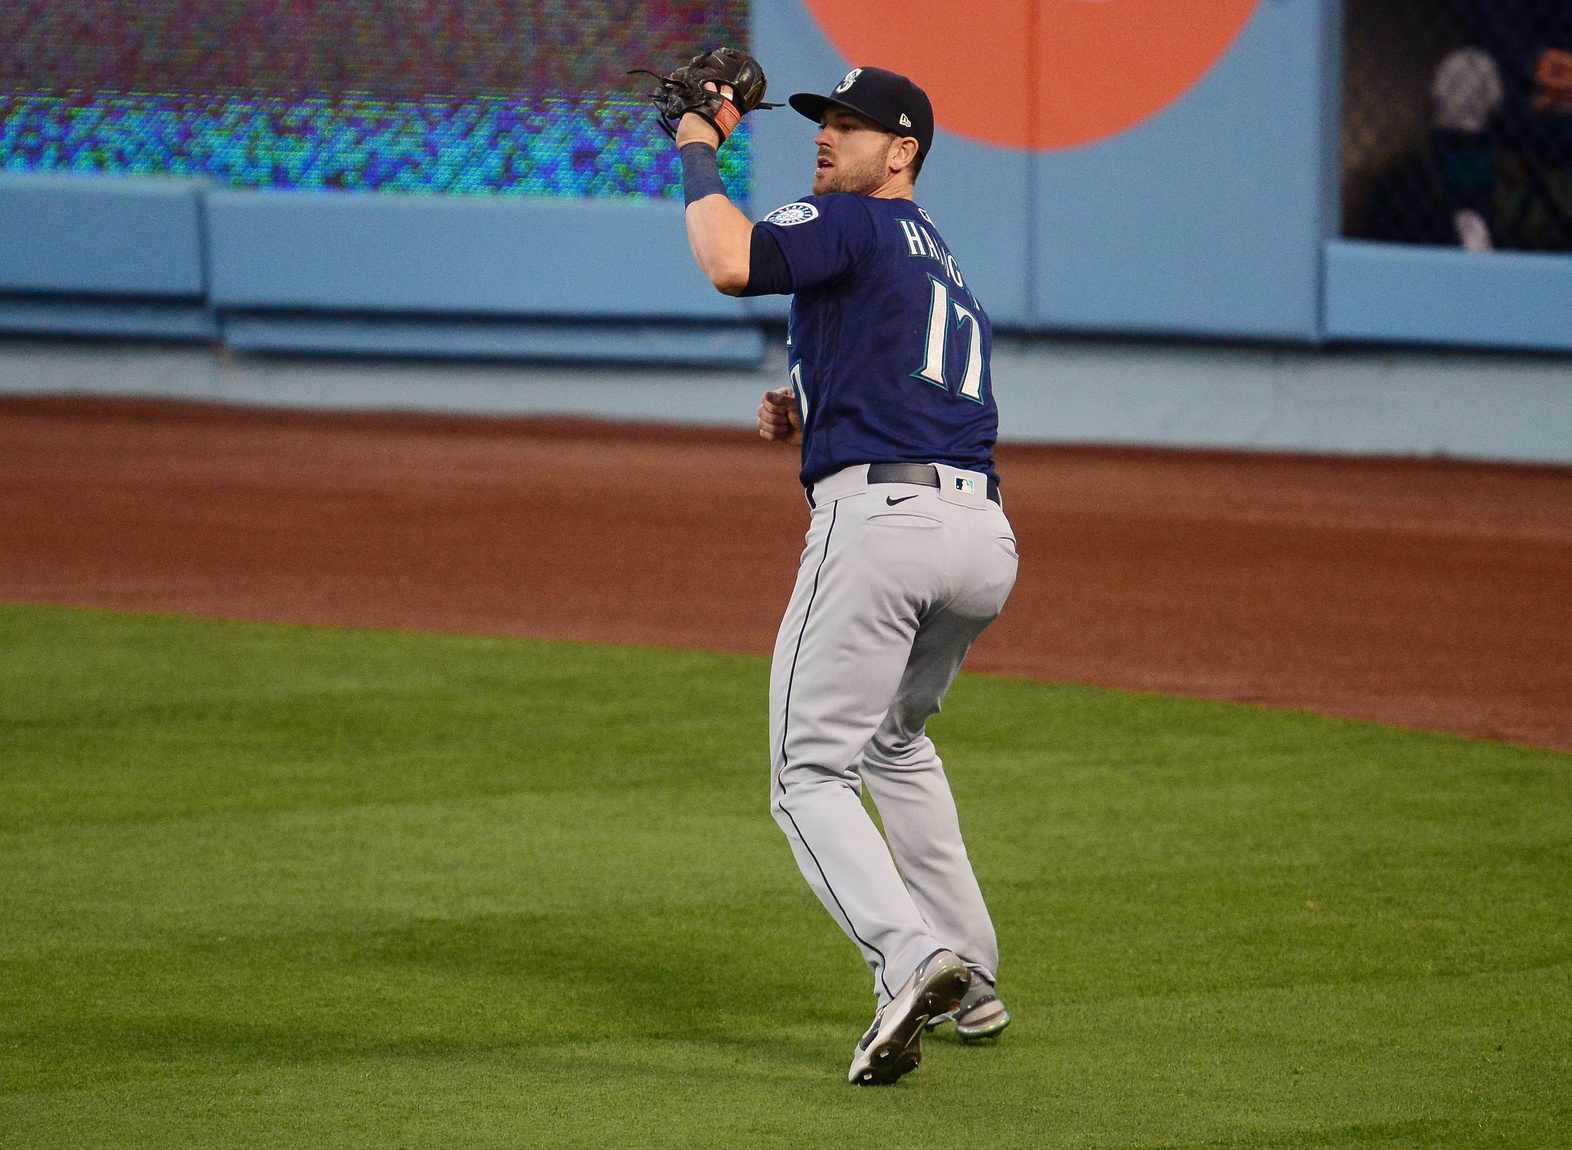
[491,97]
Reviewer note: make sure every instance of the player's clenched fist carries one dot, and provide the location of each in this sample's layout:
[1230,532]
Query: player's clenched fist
[779,417]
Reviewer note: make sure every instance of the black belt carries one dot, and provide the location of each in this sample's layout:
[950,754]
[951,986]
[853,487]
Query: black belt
[921,474]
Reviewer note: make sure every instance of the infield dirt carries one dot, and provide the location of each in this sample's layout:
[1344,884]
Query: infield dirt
[1424,593]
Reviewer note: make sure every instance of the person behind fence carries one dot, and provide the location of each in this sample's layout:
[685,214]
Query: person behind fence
[1532,42]
[1466,93]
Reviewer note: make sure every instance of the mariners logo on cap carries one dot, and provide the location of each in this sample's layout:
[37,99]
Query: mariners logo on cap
[851,78]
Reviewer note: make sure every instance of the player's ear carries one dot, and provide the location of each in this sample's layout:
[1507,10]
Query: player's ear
[903,153]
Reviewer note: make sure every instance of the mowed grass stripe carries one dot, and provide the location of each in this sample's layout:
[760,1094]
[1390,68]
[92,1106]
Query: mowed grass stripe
[274,886]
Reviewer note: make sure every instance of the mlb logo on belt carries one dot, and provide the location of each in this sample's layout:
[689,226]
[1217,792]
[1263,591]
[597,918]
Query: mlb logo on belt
[967,485]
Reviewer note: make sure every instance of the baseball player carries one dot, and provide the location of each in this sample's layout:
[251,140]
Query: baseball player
[909,555]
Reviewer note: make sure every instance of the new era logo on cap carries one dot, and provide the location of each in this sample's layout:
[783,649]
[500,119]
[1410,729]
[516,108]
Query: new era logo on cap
[905,123]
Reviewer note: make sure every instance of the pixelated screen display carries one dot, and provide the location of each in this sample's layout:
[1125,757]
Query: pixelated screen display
[509,97]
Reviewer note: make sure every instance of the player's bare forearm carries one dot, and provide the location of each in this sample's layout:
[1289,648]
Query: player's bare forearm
[780,420]
[721,238]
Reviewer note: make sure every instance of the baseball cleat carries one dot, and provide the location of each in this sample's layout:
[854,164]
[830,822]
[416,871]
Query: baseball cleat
[893,1045]
[980,1017]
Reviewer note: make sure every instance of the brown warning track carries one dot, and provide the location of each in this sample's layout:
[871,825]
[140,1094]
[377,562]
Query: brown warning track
[1429,594]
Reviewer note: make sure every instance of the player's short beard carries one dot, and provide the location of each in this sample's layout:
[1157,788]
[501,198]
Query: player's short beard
[860,179]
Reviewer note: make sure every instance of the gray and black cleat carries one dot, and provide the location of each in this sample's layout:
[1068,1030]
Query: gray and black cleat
[893,1045]
[980,1017]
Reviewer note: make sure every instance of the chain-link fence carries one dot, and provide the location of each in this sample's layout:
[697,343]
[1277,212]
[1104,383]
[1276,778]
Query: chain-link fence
[1457,123]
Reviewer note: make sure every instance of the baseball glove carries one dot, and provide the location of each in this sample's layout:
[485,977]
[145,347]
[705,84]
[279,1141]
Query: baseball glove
[683,91]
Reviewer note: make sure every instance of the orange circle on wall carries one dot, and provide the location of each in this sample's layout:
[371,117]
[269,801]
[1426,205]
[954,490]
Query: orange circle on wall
[1099,66]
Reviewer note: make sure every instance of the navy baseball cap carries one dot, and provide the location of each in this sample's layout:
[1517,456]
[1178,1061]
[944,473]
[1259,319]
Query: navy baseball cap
[887,98]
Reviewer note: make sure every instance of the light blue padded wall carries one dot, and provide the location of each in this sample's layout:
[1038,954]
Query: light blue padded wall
[102,236]
[468,276]
[102,256]
[461,254]
[1209,218]
[1381,292]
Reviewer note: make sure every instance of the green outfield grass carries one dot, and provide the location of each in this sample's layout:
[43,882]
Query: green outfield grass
[267,886]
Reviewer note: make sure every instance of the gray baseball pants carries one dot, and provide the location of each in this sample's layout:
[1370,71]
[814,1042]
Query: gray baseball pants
[896,583]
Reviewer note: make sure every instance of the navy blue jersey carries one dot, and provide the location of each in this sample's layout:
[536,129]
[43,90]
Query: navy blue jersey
[888,348]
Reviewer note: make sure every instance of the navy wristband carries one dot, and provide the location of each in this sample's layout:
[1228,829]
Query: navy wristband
[700,173]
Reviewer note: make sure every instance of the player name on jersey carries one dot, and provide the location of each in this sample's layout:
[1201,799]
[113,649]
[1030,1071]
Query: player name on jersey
[920,242]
